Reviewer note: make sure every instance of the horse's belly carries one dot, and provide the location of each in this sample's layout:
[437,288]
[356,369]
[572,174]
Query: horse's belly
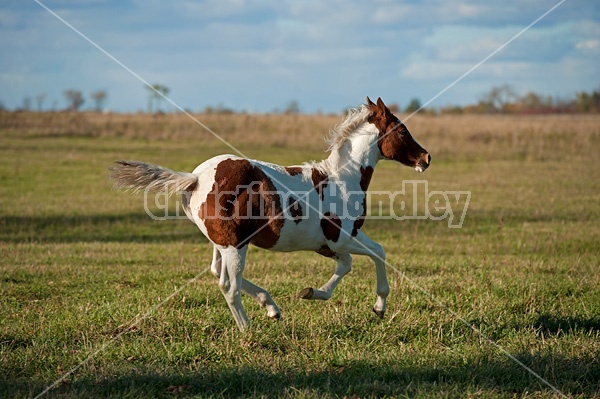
[303,236]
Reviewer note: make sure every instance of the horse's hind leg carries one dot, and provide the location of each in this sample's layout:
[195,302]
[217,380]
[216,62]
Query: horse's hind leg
[230,282]
[259,294]
[344,265]
[215,266]
[263,298]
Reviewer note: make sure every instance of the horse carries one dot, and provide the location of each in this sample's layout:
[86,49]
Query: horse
[316,206]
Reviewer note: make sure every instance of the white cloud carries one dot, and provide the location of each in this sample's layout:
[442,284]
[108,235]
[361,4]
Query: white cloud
[8,18]
[469,10]
[327,54]
[392,13]
[590,46]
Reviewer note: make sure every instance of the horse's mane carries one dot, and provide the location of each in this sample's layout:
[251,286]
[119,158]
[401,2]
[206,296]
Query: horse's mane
[354,118]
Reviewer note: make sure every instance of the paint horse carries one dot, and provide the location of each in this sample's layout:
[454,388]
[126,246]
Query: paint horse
[317,206]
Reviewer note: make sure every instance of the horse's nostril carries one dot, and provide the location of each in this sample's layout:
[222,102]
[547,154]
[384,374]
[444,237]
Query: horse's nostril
[425,159]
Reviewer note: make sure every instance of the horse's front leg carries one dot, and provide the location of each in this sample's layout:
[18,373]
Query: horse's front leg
[363,245]
[344,265]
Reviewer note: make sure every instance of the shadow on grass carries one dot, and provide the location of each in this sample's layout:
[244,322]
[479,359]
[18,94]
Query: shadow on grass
[549,325]
[89,228]
[443,377]
[139,227]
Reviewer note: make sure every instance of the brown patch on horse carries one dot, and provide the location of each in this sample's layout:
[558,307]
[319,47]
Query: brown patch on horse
[358,223]
[293,170]
[392,144]
[365,179]
[295,209]
[331,226]
[242,207]
[320,181]
[395,141]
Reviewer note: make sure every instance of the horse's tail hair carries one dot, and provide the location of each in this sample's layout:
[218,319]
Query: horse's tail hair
[136,176]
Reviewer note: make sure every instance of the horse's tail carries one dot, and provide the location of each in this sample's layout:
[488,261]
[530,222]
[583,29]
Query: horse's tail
[136,176]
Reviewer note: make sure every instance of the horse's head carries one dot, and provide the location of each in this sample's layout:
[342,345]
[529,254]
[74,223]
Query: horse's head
[395,141]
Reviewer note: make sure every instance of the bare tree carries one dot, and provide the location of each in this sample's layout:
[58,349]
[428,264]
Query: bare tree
[27,103]
[98,97]
[156,93]
[292,108]
[39,99]
[75,99]
[531,100]
[499,97]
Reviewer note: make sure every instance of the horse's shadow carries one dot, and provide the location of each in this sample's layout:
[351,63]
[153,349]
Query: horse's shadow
[129,227]
[445,376]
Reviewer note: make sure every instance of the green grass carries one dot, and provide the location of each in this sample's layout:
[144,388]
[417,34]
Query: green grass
[80,262]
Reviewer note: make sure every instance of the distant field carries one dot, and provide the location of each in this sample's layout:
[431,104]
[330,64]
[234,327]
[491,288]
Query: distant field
[80,263]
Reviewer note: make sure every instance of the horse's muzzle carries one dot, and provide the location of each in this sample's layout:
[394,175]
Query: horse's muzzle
[423,163]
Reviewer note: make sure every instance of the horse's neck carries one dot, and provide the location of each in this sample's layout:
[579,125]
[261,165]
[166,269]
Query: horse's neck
[355,155]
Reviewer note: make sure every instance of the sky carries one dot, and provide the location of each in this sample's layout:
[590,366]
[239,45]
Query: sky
[327,55]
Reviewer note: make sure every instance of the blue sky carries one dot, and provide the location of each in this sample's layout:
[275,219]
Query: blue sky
[327,55]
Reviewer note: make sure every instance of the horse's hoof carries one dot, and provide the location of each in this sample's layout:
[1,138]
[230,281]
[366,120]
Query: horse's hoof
[276,316]
[379,313]
[306,293]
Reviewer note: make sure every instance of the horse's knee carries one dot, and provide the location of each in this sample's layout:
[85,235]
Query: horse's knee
[231,289]
[224,285]
[229,266]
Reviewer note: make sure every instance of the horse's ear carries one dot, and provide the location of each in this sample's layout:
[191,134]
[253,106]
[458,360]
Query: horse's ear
[382,107]
[370,103]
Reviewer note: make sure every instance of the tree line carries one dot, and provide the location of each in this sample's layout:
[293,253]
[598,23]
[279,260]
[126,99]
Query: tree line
[75,100]
[502,99]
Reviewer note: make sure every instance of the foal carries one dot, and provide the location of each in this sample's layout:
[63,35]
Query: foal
[317,206]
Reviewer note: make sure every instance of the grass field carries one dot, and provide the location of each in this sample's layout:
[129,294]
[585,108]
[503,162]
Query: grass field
[85,271]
